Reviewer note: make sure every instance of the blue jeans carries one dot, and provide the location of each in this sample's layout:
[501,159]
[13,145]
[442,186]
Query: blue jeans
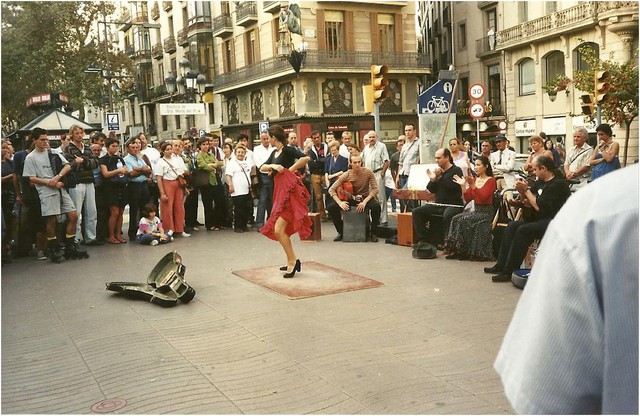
[146,239]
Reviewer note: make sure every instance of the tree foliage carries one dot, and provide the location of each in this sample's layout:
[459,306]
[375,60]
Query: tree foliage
[46,46]
[621,105]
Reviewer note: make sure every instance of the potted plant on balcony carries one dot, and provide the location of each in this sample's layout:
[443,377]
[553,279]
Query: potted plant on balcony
[555,84]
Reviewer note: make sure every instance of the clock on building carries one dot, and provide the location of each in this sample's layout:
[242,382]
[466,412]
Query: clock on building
[286,100]
[256,105]
[337,96]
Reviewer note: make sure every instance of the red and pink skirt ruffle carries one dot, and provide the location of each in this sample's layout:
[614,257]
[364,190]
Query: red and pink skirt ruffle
[290,199]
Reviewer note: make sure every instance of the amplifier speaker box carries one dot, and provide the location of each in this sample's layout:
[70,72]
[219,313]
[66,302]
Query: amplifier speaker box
[355,226]
[405,229]
[316,227]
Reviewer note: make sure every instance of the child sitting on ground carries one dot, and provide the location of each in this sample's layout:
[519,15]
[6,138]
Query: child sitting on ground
[150,231]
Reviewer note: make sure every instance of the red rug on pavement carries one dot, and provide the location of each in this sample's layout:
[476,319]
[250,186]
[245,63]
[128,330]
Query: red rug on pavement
[315,279]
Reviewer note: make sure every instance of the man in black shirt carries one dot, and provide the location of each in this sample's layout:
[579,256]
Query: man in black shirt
[318,153]
[447,192]
[544,199]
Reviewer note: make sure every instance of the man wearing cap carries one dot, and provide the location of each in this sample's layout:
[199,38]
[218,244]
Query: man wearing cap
[503,161]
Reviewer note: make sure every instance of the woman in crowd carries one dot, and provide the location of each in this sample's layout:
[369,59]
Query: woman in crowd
[290,197]
[537,149]
[167,171]
[227,151]
[604,158]
[137,188]
[548,145]
[8,200]
[238,174]
[116,175]
[207,161]
[470,232]
[459,155]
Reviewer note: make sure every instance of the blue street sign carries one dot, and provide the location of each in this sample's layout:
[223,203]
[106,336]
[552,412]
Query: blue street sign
[438,99]
[113,121]
[263,126]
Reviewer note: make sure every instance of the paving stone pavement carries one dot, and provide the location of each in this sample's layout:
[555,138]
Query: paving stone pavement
[422,344]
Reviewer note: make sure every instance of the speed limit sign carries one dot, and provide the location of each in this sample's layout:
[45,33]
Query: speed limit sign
[476,111]
[476,91]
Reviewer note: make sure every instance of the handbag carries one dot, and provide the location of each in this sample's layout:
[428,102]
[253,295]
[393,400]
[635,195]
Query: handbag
[181,180]
[254,195]
[69,180]
[199,178]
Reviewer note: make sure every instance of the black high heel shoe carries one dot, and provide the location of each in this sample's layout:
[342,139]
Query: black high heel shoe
[296,267]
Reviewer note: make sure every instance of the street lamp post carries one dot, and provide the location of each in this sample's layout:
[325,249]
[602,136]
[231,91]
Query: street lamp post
[188,84]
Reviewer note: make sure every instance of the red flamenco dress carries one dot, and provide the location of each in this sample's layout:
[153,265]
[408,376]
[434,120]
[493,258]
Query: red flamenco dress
[290,199]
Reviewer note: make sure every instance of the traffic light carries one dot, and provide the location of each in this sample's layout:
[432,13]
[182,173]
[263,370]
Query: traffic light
[379,83]
[587,104]
[601,86]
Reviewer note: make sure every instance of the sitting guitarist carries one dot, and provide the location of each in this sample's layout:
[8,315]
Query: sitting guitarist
[364,196]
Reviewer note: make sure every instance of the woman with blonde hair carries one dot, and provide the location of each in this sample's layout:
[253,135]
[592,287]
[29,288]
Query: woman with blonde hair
[537,149]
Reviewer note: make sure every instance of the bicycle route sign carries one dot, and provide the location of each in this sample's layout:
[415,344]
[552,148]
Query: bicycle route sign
[438,99]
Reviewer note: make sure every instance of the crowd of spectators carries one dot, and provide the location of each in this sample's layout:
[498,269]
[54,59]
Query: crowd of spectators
[161,180]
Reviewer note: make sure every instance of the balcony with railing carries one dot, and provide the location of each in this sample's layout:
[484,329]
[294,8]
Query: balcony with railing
[167,5]
[486,46]
[271,6]
[124,18]
[157,51]
[246,13]
[323,61]
[155,11]
[182,38]
[199,23]
[222,26]
[140,18]
[170,44]
[563,21]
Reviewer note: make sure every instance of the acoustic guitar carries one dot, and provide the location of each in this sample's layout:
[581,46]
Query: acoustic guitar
[345,192]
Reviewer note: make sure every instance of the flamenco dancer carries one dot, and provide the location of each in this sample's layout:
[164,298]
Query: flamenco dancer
[290,198]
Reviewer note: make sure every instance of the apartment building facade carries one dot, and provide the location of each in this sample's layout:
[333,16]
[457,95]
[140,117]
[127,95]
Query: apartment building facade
[242,49]
[514,48]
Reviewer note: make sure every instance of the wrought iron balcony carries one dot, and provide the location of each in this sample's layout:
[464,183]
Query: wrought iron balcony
[183,39]
[222,26]
[271,6]
[155,11]
[486,46]
[199,22]
[170,44]
[246,13]
[157,51]
[582,16]
[140,18]
[323,61]
[167,5]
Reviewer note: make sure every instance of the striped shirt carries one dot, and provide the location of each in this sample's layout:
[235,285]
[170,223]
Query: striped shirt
[364,183]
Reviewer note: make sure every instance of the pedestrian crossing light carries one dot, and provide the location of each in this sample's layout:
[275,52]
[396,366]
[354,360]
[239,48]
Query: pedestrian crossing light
[601,86]
[587,104]
[379,83]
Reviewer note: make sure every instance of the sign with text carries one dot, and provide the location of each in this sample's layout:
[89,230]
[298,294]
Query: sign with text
[525,127]
[113,121]
[176,109]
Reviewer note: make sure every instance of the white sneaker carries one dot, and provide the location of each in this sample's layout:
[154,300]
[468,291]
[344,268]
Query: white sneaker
[40,255]
[185,235]
[195,228]
[154,242]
